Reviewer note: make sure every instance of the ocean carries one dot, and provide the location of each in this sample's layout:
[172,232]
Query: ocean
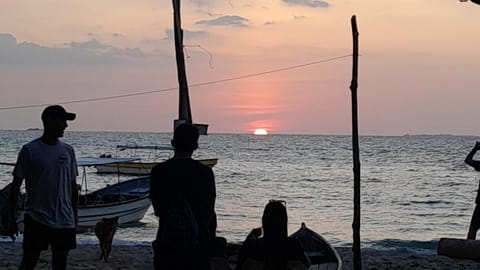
[415,189]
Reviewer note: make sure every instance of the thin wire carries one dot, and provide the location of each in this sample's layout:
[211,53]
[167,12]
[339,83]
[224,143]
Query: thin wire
[89,99]
[271,71]
[203,49]
[175,88]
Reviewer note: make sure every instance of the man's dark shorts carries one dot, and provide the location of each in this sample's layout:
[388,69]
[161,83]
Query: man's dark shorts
[38,236]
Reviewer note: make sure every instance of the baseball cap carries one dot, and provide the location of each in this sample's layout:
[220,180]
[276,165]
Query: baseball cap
[57,111]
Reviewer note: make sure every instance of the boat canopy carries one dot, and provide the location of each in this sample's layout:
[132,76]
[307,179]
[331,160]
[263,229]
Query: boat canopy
[94,161]
[149,147]
[91,161]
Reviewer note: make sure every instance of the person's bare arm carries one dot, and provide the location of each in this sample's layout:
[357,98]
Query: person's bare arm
[469,159]
[12,206]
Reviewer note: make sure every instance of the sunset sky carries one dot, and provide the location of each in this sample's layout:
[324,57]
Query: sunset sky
[419,68]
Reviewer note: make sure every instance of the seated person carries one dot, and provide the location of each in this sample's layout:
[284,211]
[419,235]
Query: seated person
[275,250]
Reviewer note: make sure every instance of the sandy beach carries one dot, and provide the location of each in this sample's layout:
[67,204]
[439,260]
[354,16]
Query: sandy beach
[140,257]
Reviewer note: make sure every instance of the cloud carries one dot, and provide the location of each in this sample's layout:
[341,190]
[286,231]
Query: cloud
[232,20]
[7,41]
[186,34]
[92,44]
[152,42]
[211,14]
[301,17]
[117,35]
[209,3]
[73,53]
[308,3]
[201,3]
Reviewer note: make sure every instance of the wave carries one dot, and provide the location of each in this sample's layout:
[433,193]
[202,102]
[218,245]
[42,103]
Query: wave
[431,202]
[404,246]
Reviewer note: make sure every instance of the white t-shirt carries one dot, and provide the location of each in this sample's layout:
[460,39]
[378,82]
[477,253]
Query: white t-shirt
[49,171]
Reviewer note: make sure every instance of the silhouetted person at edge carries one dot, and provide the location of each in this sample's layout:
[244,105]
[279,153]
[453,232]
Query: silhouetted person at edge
[275,249]
[175,183]
[49,168]
[475,222]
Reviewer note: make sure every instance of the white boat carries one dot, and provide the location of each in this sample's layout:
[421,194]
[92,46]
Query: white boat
[321,253]
[139,167]
[128,200]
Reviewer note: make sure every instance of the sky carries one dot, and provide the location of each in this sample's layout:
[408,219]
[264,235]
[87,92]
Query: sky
[281,65]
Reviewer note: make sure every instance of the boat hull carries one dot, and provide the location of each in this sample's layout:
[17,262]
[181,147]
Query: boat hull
[140,168]
[128,200]
[127,211]
[320,252]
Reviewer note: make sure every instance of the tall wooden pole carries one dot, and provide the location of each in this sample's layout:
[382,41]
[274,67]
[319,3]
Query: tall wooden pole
[357,252]
[184,111]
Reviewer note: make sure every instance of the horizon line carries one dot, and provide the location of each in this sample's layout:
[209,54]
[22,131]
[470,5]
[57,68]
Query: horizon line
[269,134]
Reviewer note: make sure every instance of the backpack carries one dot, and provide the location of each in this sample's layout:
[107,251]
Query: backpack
[180,227]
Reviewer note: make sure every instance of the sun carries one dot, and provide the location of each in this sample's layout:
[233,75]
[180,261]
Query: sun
[260,132]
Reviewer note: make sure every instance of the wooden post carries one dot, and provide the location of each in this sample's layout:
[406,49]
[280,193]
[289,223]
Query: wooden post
[357,256]
[184,111]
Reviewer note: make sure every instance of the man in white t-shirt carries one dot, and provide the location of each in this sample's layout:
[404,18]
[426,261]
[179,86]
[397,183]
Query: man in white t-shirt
[49,168]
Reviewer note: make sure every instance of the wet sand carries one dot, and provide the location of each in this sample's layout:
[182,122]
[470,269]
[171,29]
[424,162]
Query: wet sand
[140,257]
